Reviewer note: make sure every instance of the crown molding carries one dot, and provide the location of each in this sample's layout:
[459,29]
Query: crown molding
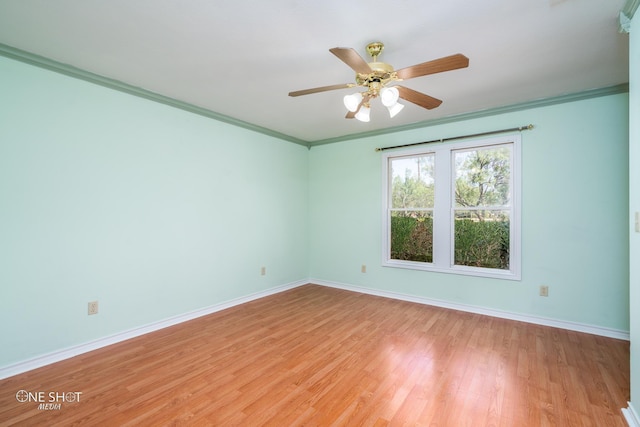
[626,15]
[71,71]
[578,96]
[630,8]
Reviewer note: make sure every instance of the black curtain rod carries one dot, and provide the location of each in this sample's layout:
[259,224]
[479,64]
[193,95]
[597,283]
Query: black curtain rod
[520,129]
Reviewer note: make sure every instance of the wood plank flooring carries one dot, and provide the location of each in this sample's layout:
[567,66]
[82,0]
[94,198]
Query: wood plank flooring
[317,356]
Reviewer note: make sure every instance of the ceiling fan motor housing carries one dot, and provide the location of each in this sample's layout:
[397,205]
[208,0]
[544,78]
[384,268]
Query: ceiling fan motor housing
[381,74]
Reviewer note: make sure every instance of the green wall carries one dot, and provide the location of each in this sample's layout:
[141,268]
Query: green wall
[574,216]
[151,210]
[634,204]
[156,212]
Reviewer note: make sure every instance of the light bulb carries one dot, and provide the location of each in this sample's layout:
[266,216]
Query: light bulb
[395,109]
[389,96]
[352,101]
[363,114]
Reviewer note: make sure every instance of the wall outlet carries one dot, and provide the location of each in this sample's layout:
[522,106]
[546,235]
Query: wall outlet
[263,271]
[363,269]
[92,308]
[544,291]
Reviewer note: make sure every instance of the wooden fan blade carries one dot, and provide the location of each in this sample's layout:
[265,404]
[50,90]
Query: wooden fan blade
[447,63]
[350,57]
[418,98]
[352,114]
[320,89]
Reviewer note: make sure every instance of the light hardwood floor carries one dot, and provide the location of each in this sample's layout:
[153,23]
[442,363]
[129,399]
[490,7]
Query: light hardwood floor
[320,356]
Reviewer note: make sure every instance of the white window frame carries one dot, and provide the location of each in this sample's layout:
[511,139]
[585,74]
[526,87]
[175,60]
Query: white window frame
[443,222]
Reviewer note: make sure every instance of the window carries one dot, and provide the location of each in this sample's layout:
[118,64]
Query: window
[454,208]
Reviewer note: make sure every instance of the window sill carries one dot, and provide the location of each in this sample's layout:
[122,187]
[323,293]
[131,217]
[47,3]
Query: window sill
[460,270]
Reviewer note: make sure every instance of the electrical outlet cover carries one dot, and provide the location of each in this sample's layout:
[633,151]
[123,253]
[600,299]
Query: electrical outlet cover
[93,307]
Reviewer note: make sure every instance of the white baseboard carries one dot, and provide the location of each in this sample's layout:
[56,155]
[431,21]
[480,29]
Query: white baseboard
[57,356]
[631,416]
[69,352]
[563,324]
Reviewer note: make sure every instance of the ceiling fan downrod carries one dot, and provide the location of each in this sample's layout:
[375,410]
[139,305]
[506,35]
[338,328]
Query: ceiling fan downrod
[374,50]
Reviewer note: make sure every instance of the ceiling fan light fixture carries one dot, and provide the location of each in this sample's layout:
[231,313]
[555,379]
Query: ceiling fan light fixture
[352,101]
[389,96]
[395,109]
[364,114]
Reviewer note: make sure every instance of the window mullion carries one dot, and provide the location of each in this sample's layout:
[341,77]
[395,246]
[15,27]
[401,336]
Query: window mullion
[442,213]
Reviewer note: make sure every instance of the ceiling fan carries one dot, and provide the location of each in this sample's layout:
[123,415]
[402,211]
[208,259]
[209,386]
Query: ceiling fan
[378,77]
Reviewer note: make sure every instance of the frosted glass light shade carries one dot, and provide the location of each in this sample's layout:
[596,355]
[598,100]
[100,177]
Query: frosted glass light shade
[389,96]
[363,114]
[352,101]
[395,109]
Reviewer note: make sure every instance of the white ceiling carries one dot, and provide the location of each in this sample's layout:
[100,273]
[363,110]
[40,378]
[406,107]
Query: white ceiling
[241,58]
